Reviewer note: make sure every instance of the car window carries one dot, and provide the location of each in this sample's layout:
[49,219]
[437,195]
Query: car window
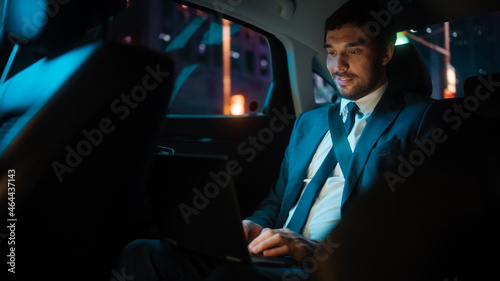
[324,91]
[473,46]
[222,68]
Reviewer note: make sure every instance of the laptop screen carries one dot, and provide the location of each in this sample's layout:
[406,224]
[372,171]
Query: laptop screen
[195,203]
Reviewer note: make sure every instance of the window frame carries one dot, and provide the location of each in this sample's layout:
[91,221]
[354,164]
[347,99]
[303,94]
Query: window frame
[319,69]
[277,57]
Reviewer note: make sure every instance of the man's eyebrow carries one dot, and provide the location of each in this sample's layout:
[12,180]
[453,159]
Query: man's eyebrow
[353,44]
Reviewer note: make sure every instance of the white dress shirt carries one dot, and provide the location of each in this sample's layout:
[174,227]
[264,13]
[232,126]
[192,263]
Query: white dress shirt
[325,212]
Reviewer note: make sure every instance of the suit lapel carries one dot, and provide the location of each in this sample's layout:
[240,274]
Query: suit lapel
[382,117]
[305,148]
[311,138]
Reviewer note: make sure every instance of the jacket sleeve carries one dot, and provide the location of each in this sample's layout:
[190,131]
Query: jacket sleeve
[268,210]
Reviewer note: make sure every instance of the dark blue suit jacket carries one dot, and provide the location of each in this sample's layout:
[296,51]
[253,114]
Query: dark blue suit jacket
[399,119]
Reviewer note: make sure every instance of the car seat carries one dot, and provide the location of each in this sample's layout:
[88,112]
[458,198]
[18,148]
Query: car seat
[77,133]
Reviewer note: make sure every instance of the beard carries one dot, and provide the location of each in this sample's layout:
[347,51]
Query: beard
[361,86]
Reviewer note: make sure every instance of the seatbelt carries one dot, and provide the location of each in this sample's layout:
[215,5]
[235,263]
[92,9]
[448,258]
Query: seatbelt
[339,139]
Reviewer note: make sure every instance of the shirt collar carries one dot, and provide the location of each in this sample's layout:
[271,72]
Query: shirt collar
[367,103]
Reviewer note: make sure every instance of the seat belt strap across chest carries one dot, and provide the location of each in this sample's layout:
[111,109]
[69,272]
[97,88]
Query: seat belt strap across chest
[339,139]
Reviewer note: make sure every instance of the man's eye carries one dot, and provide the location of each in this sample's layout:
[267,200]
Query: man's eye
[332,53]
[353,52]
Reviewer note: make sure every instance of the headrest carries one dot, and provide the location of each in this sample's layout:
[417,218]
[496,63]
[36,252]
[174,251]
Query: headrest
[407,70]
[482,94]
[46,26]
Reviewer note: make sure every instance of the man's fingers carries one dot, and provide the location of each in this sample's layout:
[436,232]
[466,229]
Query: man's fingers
[282,242]
[283,250]
[251,230]
[264,234]
[269,240]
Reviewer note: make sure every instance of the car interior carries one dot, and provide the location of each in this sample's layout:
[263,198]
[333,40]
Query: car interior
[93,93]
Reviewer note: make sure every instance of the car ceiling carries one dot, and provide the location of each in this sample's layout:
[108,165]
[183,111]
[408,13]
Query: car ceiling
[303,19]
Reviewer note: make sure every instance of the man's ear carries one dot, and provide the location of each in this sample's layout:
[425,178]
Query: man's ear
[389,51]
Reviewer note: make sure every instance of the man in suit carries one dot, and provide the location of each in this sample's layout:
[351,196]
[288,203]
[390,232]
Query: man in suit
[388,126]
[379,125]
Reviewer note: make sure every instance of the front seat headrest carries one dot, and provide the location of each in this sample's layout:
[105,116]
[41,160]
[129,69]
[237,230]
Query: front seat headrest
[482,94]
[47,26]
[407,70]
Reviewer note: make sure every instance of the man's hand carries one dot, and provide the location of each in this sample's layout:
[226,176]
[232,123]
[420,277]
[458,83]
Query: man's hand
[282,242]
[251,229]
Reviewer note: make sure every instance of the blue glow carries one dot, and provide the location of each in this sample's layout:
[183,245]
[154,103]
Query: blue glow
[181,79]
[181,40]
[29,90]
[26,18]
[214,35]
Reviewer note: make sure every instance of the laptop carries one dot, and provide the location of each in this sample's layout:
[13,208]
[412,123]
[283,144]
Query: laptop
[194,199]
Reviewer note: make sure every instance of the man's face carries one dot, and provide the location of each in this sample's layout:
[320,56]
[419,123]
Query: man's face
[354,62]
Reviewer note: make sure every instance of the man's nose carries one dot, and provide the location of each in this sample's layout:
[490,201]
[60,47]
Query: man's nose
[340,64]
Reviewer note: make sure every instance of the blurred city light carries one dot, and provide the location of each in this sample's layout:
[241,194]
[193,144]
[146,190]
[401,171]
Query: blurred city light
[452,79]
[164,37]
[202,48]
[264,63]
[401,38]
[237,105]
[235,55]
[226,66]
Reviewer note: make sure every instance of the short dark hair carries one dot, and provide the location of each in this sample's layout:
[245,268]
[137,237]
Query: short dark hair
[360,12]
